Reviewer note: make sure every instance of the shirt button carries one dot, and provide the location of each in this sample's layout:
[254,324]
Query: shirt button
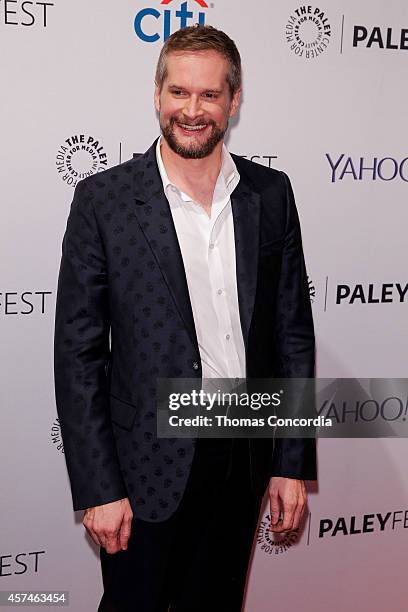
[195,365]
[219,291]
[227,337]
[212,245]
[173,188]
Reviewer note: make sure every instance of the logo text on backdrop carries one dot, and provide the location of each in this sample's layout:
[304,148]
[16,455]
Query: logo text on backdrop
[152,24]
[308,32]
[80,156]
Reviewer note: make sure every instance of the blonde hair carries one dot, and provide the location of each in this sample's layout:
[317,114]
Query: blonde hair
[202,38]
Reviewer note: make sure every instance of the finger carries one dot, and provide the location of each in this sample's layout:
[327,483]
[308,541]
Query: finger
[288,515]
[112,543]
[99,533]
[281,526]
[92,533]
[102,532]
[278,528]
[298,514]
[124,533]
[275,507]
[302,501]
[95,537]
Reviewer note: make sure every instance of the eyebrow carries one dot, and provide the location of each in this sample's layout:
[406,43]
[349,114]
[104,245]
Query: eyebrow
[173,86]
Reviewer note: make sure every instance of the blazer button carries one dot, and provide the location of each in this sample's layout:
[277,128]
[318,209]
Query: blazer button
[195,365]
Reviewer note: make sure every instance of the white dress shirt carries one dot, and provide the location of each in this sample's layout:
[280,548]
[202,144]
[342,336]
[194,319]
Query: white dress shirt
[208,249]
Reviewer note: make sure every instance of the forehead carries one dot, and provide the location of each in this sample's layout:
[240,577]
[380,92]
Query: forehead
[198,69]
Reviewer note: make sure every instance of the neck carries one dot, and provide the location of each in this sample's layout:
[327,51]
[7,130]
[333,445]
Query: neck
[192,171]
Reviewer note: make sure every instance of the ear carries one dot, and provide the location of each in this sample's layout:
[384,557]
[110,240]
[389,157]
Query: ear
[156,97]
[235,102]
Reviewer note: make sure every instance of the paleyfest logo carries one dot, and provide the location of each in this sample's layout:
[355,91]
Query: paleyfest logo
[23,14]
[80,156]
[379,37]
[157,24]
[308,32]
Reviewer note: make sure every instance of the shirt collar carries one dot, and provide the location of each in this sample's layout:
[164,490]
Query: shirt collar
[227,180]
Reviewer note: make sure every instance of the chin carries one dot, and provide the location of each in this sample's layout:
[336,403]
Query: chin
[189,150]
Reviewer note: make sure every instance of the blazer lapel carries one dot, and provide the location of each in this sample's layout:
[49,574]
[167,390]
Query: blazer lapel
[246,207]
[156,222]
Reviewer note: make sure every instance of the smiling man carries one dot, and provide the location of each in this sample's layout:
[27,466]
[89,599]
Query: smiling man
[191,258]
[193,130]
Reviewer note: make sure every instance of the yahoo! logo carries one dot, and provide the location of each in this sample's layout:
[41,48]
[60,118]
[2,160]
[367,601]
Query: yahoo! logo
[364,168]
[149,22]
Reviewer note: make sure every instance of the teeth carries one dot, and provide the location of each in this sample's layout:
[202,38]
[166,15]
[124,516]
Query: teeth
[192,127]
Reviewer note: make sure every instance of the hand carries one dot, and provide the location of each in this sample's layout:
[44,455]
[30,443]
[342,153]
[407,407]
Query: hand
[109,525]
[289,496]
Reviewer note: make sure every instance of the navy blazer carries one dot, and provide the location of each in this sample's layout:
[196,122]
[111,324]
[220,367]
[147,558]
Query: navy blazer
[124,318]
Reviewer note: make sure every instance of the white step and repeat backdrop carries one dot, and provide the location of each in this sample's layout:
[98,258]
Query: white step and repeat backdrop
[325,91]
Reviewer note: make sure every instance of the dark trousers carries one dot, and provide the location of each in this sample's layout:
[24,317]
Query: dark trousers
[197,559]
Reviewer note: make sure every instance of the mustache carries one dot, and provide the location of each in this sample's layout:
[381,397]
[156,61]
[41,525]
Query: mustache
[180,119]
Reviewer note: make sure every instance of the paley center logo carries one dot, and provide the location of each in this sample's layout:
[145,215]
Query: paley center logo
[56,435]
[329,527]
[308,31]
[80,156]
[153,24]
[352,168]
[274,543]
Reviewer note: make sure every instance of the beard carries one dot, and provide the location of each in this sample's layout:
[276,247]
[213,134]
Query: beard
[193,151]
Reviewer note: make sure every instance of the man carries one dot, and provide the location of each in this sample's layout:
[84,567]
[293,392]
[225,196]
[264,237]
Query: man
[192,260]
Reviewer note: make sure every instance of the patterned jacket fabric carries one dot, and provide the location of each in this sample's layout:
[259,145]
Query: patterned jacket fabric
[124,318]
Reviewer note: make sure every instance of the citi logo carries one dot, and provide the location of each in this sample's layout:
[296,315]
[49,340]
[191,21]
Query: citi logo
[152,24]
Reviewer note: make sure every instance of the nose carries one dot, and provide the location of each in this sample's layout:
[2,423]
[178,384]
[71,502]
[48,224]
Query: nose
[192,107]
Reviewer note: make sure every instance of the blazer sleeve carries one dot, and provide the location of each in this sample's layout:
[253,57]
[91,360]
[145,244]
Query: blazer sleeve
[295,342]
[81,356]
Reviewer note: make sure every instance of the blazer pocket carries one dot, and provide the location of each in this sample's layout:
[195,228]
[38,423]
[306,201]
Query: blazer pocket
[122,413]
